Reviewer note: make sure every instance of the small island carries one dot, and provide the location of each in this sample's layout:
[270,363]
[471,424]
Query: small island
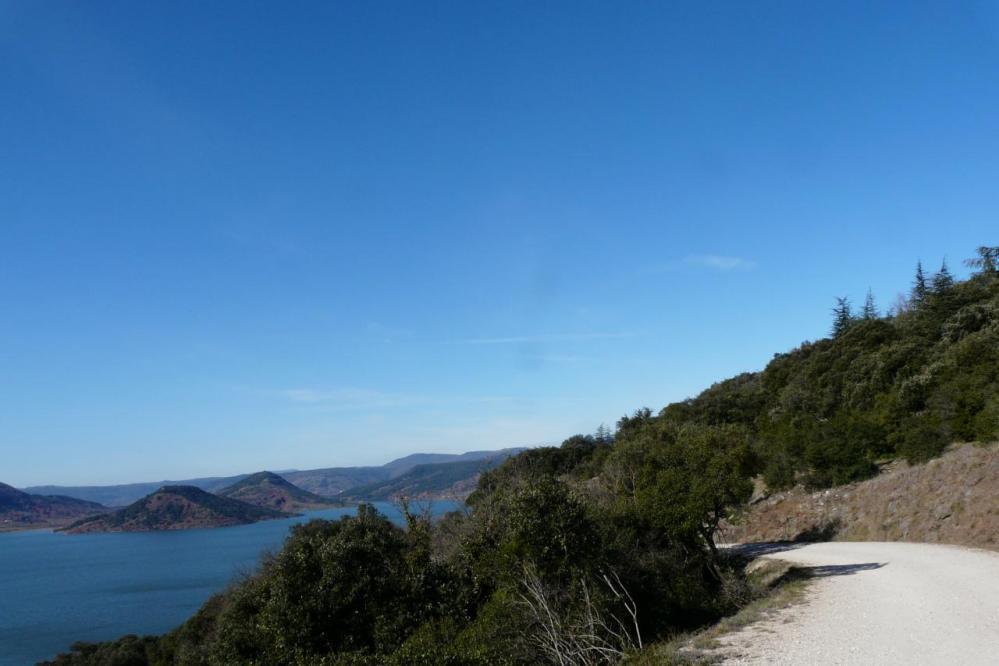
[176,508]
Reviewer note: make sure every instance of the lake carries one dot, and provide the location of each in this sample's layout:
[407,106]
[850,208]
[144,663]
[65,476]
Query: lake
[56,589]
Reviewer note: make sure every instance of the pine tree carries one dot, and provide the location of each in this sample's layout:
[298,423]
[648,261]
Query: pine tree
[919,289]
[603,435]
[870,310]
[943,280]
[842,316]
[987,261]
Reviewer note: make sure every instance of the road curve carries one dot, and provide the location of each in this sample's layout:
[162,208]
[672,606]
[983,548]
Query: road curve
[883,604]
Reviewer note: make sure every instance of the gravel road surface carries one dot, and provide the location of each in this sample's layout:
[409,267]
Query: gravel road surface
[880,603]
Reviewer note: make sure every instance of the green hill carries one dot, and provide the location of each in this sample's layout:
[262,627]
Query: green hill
[176,508]
[450,479]
[904,384]
[326,482]
[269,490]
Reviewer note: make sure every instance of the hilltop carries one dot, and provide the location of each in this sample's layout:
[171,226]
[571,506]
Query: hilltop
[271,491]
[325,482]
[176,508]
[21,510]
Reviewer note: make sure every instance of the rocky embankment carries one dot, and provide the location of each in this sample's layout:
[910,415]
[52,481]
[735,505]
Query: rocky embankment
[953,499]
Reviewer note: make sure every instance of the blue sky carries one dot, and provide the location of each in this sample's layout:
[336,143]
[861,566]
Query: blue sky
[237,236]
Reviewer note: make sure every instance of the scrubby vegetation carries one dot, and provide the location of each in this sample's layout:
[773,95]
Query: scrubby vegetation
[588,552]
[904,384]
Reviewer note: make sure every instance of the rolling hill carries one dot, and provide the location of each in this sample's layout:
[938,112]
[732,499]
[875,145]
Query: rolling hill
[21,510]
[268,490]
[434,480]
[326,482]
[122,495]
[176,508]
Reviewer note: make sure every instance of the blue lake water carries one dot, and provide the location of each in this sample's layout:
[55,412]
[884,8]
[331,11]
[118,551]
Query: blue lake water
[56,589]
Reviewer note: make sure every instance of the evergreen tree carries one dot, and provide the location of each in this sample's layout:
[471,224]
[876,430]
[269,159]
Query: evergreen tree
[870,310]
[842,316]
[603,435]
[943,280]
[919,288]
[987,261]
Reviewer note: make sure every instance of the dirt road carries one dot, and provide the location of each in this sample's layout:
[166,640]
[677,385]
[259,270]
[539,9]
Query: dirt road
[881,603]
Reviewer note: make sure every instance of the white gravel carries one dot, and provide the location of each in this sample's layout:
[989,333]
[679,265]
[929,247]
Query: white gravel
[883,604]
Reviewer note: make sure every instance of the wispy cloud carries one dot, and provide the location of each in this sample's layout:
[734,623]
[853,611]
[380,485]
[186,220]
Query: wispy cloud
[719,262]
[558,337]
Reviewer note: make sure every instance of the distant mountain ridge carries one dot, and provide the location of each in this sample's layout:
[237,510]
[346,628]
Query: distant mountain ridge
[325,482]
[272,491]
[453,480]
[175,508]
[122,495]
[20,510]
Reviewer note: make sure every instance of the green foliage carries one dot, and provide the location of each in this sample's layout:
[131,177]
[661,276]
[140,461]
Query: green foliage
[681,479]
[356,585]
[842,317]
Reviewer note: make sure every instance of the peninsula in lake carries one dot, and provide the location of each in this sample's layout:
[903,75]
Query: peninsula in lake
[176,508]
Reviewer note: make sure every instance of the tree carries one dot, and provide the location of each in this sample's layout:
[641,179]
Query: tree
[870,310]
[683,479]
[352,585]
[639,419]
[842,316]
[603,435]
[943,280]
[919,288]
[987,261]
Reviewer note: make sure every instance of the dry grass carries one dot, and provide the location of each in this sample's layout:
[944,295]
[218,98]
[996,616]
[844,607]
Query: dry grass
[952,499]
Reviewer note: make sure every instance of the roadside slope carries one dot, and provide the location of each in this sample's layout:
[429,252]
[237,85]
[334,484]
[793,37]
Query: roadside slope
[880,603]
[952,499]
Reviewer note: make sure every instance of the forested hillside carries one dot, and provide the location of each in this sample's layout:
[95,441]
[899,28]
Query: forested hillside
[590,551]
[906,383]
